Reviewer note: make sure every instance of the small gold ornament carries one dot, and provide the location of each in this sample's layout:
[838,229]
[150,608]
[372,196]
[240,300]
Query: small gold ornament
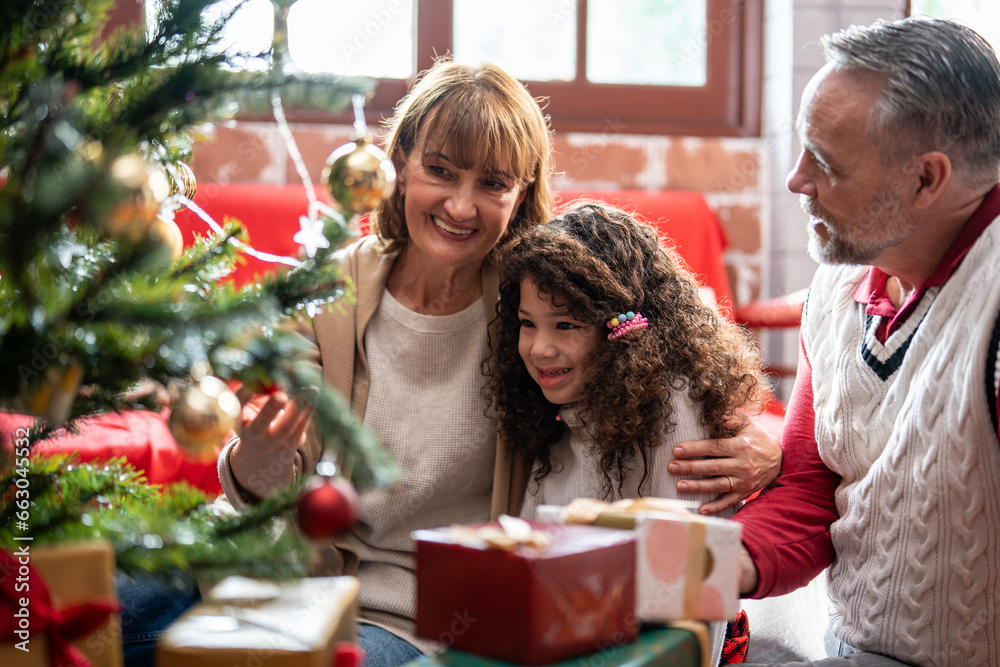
[146,189]
[359,175]
[203,416]
[166,233]
[182,181]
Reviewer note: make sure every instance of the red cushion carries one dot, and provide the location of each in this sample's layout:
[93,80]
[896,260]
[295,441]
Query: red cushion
[781,311]
[270,214]
[685,221]
[142,437]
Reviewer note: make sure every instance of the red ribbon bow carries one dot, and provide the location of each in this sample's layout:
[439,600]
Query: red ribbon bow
[61,626]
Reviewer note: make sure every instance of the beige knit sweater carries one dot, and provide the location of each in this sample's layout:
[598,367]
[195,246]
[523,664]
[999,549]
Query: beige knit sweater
[414,381]
[425,406]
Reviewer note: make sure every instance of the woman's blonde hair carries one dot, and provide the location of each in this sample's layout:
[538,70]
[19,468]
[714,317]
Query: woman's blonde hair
[485,118]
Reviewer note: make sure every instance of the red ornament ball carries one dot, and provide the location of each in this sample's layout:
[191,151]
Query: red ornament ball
[348,654]
[327,506]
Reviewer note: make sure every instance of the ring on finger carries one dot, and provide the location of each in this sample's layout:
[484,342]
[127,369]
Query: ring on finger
[731,485]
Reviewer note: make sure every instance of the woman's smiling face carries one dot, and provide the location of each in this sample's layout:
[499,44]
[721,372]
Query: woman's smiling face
[456,215]
[554,345]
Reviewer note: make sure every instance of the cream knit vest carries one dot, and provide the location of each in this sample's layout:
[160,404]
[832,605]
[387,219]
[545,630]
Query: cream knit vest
[917,568]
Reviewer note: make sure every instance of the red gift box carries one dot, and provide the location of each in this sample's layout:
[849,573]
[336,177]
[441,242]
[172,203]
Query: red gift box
[528,605]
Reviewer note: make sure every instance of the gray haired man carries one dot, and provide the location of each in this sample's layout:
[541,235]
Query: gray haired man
[892,447]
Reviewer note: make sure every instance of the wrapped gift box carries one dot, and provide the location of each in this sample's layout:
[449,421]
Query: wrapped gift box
[527,604]
[76,575]
[687,565]
[246,621]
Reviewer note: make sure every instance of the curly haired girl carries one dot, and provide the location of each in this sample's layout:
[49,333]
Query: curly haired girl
[596,411]
[606,357]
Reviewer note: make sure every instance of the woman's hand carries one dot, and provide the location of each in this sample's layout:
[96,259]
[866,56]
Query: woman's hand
[733,467]
[272,429]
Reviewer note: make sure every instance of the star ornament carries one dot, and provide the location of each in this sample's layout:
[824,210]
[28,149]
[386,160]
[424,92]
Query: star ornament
[310,235]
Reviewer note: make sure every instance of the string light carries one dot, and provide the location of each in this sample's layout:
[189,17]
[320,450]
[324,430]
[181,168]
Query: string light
[310,234]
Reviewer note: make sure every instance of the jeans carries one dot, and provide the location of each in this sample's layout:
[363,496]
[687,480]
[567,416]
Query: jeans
[149,605]
[384,649]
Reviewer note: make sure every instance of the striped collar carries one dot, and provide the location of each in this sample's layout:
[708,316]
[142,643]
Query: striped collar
[872,290]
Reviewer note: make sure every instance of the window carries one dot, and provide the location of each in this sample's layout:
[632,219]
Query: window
[636,66]
[983,16]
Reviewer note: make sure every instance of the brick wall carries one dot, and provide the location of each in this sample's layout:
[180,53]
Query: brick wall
[726,170]
[742,178]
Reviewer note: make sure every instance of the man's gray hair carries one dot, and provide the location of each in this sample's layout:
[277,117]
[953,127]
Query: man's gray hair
[941,90]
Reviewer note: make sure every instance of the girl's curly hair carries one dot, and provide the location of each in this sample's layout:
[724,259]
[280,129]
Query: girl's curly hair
[597,261]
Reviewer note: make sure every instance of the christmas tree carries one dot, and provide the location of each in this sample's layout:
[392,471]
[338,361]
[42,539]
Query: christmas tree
[101,309]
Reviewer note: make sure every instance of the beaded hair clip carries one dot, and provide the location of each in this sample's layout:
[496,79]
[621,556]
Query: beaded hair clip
[624,323]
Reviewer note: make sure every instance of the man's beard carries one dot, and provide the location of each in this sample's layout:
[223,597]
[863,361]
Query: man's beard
[880,227]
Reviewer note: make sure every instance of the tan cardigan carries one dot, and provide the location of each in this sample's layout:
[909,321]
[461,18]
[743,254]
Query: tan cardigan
[340,332]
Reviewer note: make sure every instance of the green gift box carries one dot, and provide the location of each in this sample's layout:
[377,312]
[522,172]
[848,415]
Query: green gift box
[655,647]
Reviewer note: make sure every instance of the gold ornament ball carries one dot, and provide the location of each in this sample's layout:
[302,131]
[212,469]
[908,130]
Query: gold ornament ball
[167,234]
[145,188]
[203,416]
[359,175]
[182,180]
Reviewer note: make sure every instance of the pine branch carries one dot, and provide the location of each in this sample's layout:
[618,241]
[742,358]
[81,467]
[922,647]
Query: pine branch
[82,286]
[266,510]
[210,258]
[162,533]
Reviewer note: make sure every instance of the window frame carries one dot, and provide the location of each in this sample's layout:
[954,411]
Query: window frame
[729,104]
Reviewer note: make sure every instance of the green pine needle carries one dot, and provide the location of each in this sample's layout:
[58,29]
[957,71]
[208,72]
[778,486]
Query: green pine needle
[164,532]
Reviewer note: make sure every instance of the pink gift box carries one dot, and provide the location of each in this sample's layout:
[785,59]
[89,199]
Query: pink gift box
[687,565]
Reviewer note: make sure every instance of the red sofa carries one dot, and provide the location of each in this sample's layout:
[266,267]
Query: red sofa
[271,216]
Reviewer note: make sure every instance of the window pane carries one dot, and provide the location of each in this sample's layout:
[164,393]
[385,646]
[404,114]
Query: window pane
[359,38]
[983,16]
[534,40]
[657,42]
[249,31]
